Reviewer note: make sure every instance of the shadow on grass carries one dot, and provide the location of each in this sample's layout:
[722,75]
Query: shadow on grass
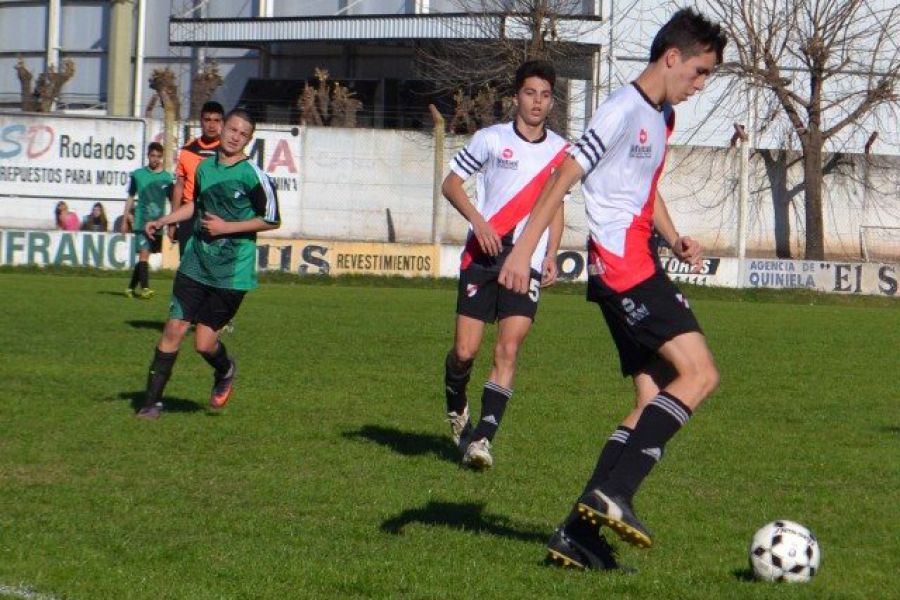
[111,293]
[407,443]
[890,428]
[145,324]
[465,516]
[744,574]
[171,405]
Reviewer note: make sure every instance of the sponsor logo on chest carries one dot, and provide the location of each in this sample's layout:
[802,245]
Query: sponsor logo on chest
[506,159]
[641,149]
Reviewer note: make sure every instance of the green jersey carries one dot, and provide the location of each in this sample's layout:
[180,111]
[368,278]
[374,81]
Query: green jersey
[238,192]
[151,190]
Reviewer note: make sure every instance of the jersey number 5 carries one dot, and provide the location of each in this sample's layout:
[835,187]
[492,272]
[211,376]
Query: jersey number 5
[534,291]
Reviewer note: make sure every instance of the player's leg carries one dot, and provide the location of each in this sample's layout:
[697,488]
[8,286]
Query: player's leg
[657,311]
[476,304]
[498,389]
[647,384]
[143,267]
[133,285]
[516,314]
[219,309]
[458,370]
[187,296]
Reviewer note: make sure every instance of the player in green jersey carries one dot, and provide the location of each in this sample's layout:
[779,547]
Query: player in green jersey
[148,190]
[234,200]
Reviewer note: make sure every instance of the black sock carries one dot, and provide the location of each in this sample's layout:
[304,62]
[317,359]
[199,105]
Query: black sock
[218,360]
[135,276]
[158,376]
[493,404]
[660,420]
[143,272]
[456,378]
[609,456]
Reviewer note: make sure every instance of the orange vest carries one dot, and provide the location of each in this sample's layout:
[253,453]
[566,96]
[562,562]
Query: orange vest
[190,156]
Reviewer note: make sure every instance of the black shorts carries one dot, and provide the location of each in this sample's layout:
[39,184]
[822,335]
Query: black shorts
[152,244]
[643,318]
[196,302]
[481,296]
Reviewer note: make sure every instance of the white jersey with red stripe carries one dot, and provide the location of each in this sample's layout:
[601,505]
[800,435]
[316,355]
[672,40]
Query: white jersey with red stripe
[513,171]
[622,153]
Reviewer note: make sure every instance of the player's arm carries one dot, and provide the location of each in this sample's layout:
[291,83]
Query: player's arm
[685,248]
[182,213]
[264,199]
[177,198]
[453,191]
[123,228]
[549,268]
[516,272]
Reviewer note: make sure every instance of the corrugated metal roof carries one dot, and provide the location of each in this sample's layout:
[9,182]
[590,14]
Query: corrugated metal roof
[236,32]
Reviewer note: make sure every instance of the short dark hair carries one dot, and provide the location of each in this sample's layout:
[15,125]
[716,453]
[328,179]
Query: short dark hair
[212,107]
[155,147]
[535,68]
[244,114]
[691,33]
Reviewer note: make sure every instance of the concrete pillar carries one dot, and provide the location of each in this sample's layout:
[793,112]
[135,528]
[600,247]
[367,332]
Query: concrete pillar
[119,73]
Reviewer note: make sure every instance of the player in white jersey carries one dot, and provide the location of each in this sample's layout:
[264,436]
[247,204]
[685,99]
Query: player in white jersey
[515,160]
[619,160]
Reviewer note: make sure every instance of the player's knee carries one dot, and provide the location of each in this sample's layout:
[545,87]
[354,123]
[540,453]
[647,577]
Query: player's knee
[204,346]
[174,331]
[710,379]
[465,354]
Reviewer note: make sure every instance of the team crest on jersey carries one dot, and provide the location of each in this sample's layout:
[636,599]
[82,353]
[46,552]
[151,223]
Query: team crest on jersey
[506,160]
[471,289]
[642,149]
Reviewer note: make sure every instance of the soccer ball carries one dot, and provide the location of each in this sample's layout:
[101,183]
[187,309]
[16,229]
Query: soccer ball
[784,551]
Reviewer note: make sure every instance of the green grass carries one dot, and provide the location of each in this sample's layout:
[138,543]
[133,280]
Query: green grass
[330,474]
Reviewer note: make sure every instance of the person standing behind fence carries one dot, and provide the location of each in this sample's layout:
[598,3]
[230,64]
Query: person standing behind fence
[148,190]
[191,155]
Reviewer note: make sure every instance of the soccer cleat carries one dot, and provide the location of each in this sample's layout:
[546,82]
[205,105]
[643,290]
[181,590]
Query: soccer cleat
[129,293]
[222,387]
[577,545]
[150,413]
[616,513]
[478,455]
[146,294]
[460,426]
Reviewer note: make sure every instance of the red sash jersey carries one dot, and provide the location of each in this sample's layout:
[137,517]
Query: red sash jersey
[622,153]
[512,173]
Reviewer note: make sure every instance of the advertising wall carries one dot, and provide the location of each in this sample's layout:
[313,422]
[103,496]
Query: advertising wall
[69,157]
[71,249]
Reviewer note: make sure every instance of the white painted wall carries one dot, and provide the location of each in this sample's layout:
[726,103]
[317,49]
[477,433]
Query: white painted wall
[341,184]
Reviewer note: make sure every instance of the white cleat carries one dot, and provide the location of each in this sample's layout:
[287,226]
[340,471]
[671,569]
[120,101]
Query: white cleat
[460,426]
[478,455]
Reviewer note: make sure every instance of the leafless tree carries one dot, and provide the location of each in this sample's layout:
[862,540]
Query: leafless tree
[826,64]
[47,89]
[510,32]
[203,86]
[333,105]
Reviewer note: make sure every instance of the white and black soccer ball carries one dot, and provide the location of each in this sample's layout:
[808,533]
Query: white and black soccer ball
[784,551]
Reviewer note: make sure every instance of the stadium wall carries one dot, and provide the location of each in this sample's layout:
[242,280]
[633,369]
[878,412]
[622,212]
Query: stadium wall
[377,186]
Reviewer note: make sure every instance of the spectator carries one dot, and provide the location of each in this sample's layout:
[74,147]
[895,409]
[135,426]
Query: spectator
[65,219]
[96,221]
[128,222]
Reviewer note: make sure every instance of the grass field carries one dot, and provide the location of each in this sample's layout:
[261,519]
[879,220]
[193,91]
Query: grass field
[330,474]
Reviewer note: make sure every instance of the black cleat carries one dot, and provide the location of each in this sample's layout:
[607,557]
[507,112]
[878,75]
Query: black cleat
[616,513]
[578,545]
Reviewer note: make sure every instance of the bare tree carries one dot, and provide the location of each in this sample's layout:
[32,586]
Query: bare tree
[827,64]
[164,83]
[333,105]
[203,86]
[509,33]
[47,89]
